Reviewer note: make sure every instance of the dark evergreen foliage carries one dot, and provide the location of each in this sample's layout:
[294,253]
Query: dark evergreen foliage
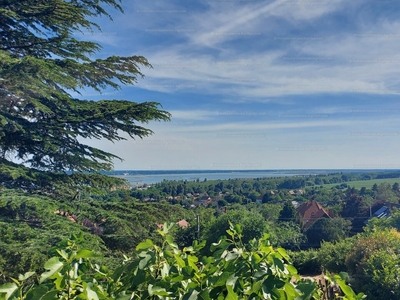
[41,124]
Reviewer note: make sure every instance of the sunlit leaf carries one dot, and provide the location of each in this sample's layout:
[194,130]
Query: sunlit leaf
[144,245]
[53,265]
[6,290]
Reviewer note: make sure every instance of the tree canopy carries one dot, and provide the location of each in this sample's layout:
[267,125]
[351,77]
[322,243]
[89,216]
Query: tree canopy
[41,124]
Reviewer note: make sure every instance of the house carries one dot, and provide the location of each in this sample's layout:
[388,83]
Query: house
[310,212]
[259,199]
[384,211]
[120,187]
[295,204]
[183,223]
[205,199]
[208,201]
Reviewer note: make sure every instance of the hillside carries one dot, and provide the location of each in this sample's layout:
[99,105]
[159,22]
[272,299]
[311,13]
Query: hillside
[31,224]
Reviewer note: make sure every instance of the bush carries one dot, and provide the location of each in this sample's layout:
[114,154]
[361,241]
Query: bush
[306,262]
[332,256]
[373,263]
[166,272]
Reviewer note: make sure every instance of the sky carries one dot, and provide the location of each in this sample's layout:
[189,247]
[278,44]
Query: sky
[309,84]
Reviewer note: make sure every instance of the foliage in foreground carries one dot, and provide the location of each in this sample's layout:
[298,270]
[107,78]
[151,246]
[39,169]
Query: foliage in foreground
[166,272]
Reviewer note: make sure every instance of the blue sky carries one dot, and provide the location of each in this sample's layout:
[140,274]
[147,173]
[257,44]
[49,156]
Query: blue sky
[257,84]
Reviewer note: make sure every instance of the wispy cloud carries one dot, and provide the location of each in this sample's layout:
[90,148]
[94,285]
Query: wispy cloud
[256,76]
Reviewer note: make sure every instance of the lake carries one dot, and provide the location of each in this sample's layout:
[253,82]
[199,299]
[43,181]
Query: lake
[155,176]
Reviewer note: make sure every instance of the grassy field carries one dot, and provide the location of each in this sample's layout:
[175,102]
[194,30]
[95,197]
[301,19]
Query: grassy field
[366,183]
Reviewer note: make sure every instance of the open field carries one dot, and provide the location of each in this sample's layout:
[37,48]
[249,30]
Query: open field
[366,183]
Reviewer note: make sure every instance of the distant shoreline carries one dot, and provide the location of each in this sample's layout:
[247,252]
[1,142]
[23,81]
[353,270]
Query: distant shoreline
[140,177]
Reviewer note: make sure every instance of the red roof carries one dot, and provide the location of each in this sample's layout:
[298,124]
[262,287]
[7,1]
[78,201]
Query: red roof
[310,212]
[183,223]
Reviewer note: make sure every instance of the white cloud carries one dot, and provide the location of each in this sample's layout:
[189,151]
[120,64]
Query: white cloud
[191,114]
[263,53]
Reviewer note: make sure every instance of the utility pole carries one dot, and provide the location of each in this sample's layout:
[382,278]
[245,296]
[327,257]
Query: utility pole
[198,226]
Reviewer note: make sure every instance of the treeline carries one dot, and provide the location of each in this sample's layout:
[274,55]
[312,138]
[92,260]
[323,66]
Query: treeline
[250,189]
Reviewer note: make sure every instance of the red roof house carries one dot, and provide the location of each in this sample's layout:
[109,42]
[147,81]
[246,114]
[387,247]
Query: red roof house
[183,223]
[310,212]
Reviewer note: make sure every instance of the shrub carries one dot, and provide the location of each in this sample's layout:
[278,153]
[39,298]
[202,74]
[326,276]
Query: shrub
[332,256]
[306,261]
[166,272]
[373,263]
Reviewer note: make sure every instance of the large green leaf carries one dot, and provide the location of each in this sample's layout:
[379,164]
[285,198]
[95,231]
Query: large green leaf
[53,265]
[6,290]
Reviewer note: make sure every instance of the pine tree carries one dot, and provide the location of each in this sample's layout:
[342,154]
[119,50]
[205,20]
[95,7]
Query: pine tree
[41,124]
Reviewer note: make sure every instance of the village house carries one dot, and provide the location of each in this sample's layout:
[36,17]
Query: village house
[183,223]
[310,212]
[384,211]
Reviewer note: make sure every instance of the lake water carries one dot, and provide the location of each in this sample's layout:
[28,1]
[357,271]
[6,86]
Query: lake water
[151,177]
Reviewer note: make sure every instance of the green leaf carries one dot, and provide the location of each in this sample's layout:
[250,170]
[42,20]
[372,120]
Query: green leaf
[292,270]
[41,292]
[191,295]
[222,279]
[117,273]
[156,290]
[307,288]
[179,261]
[192,260]
[51,295]
[170,240]
[283,252]
[232,280]
[53,265]
[164,270]
[290,291]
[84,253]
[345,288]
[231,256]
[279,264]
[255,288]
[90,294]
[63,254]
[177,278]
[25,276]
[144,245]
[143,262]
[231,294]
[6,290]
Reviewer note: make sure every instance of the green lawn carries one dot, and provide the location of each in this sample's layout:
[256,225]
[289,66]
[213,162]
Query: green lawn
[366,183]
